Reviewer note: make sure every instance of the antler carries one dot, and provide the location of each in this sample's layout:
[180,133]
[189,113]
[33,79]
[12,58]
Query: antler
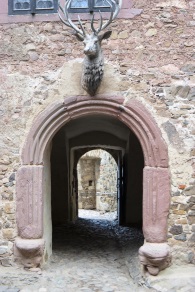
[68,21]
[115,6]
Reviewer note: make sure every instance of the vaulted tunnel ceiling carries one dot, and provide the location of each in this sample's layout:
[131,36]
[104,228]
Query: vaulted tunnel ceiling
[98,123]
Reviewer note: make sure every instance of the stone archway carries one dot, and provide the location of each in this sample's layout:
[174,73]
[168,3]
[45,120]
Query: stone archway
[156,186]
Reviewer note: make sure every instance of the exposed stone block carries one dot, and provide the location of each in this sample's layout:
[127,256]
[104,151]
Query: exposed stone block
[191,217]
[174,206]
[192,238]
[7,196]
[190,68]
[6,262]
[191,199]
[190,191]
[183,207]
[191,95]
[183,92]
[12,177]
[114,35]
[123,34]
[181,237]
[9,208]
[191,257]
[181,221]
[3,250]
[48,27]
[176,229]
[8,233]
[179,212]
[172,134]
[151,32]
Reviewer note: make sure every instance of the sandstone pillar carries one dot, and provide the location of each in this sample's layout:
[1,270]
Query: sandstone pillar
[29,187]
[155,253]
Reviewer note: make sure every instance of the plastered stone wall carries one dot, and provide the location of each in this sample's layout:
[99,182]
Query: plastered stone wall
[149,58]
[87,182]
[97,181]
[106,188]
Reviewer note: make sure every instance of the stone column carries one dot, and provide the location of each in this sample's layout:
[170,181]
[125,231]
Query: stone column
[155,253]
[29,214]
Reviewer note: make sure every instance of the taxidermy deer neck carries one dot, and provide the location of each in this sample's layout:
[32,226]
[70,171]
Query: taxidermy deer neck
[93,64]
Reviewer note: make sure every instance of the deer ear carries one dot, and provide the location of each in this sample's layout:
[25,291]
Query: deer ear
[79,37]
[105,35]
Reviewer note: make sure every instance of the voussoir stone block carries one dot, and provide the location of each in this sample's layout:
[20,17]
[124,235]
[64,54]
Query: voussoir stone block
[29,202]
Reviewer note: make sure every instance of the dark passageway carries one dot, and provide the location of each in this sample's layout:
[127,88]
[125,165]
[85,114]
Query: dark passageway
[88,133]
[94,254]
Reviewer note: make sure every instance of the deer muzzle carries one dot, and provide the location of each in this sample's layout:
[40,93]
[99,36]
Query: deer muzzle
[90,51]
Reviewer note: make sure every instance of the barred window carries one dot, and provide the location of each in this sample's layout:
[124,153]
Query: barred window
[51,6]
[89,6]
[32,6]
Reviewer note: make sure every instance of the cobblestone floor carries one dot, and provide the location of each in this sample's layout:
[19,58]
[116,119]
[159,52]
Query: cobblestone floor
[88,255]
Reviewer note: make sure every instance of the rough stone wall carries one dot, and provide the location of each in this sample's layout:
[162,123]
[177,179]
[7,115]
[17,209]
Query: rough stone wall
[149,58]
[106,188]
[87,182]
[99,167]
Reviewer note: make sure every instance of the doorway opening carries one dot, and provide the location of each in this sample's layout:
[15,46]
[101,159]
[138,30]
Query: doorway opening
[96,241]
[58,134]
[97,185]
[70,152]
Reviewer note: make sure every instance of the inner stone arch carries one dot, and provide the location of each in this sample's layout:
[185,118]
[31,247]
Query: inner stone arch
[131,119]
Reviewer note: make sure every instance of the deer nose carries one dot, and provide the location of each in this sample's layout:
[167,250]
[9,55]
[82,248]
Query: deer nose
[86,50]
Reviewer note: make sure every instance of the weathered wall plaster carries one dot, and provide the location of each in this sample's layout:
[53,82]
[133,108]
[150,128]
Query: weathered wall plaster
[150,61]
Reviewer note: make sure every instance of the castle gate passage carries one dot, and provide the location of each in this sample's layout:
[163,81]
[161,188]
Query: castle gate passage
[34,178]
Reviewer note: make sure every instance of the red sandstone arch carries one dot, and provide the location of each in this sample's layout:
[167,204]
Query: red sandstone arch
[156,186]
[133,114]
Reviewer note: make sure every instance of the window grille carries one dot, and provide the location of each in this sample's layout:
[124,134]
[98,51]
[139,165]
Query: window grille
[32,6]
[51,6]
[89,6]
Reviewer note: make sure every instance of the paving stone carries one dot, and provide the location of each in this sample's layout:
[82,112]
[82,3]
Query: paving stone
[88,255]
[92,254]
[7,289]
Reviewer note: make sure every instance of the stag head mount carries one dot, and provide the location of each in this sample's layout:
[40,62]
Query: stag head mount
[93,64]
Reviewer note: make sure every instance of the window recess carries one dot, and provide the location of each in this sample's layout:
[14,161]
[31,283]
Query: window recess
[90,6]
[32,6]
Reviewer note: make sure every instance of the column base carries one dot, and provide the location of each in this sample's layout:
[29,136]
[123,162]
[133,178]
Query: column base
[155,257]
[29,252]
